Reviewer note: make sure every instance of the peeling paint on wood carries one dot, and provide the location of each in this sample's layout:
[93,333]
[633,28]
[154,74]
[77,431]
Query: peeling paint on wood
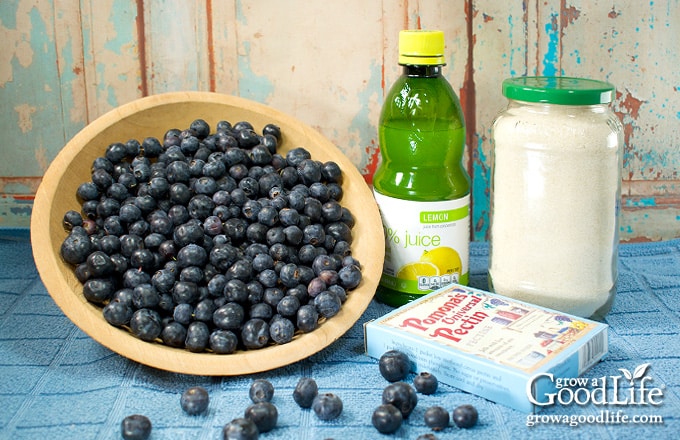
[64,63]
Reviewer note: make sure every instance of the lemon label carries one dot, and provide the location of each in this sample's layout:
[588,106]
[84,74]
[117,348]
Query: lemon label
[426,243]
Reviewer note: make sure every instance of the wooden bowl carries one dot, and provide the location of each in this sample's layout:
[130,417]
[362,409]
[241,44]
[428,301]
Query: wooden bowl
[153,116]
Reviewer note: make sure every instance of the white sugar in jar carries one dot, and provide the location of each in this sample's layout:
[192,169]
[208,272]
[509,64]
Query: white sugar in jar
[555,195]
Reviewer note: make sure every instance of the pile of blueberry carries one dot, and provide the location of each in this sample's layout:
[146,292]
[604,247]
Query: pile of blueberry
[213,241]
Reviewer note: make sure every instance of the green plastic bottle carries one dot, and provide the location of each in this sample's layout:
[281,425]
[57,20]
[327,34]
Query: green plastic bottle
[421,186]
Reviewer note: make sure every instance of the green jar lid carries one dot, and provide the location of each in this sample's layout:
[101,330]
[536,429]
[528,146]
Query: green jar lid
[558,90]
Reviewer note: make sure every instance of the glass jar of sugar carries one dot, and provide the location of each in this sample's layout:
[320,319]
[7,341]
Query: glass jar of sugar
[555,195]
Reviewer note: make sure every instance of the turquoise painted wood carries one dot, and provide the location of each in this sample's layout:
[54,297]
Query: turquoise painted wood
[64,63]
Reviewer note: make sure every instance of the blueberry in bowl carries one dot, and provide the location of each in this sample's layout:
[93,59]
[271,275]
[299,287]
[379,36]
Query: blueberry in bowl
[186,227]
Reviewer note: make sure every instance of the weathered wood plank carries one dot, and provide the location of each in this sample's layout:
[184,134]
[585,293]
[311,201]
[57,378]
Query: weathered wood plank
[65,62]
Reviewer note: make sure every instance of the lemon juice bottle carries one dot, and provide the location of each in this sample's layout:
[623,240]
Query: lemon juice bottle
[421,187]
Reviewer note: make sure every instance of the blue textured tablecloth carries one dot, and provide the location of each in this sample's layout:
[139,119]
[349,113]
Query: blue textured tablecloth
[57,383]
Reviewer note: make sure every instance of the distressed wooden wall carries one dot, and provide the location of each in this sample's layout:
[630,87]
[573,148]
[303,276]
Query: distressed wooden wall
[329,63]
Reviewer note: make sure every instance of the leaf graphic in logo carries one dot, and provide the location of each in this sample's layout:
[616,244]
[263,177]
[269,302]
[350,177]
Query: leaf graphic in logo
[640,371]
[626,373]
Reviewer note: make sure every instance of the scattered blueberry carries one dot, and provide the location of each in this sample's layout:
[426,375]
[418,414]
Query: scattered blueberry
[263,414]
[425,383]
[401,395]
[305,391]
[436,418]
[327,406]
[195,400]
[394,365]
[261,390]
[465,416]
[135,427]
[240,428]
[387,419]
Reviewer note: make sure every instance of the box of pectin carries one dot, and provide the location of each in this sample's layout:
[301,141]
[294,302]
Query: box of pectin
[504,350]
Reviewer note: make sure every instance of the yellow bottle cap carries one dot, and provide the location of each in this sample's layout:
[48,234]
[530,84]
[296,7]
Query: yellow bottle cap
[421,47]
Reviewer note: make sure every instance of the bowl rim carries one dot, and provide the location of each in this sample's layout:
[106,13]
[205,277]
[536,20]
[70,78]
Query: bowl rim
[157,355]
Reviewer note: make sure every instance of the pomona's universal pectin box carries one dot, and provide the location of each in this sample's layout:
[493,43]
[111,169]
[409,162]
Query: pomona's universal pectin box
[489,345]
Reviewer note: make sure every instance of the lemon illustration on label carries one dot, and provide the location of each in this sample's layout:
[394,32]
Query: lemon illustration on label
[411,271]
[446,259]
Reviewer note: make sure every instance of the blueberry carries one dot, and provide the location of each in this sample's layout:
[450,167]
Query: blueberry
[309,171]
[307,318]
[146,324]
[327,304]
[229,316]
[436,418]
[465,416]
[272,296]
[260,155]
[194,400]
[401,395]
[134,277]
[145,296]
[72,218]
[223,256]
[150,147]
[394,365]
[290,275]
[117,313]
[350,276]
[296,155]
[135,427]
[198,337]
[200,128]
[174,334]
[240,429]
[305,391]
[204,310]
[163,280]
[387,419]
[76,247]
[288,306]
[99,290]
[263,262]
[331,172]
[315,286]
[185,292]
[314,234]
[183,313]
[142,259]
[261,390]
[327,406]
[282,331]
[261,310]
[255,333]
[273,130]
[223,341]
[340,231]
[236,290]
[263,414]
[331,211]
[425,383]
[99,264]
